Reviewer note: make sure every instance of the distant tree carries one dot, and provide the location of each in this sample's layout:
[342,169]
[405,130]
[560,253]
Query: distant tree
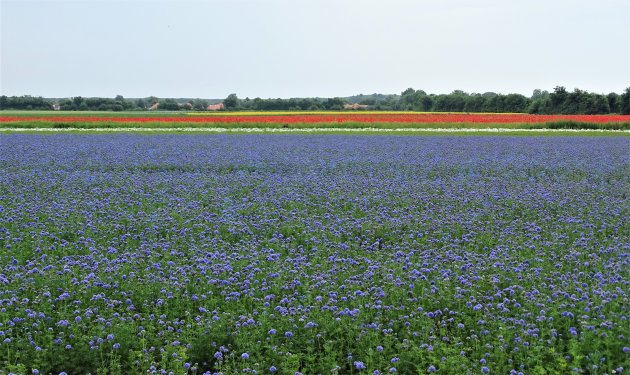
[597,105]
[231,102]
[558,99]
[408,99]
[26,102]
[424,103]
[256,104]
[121,104]
[454,102]
[440,103]
[169,105]
[475,103]
[66,105]
[77,102]
[614,102]
[334,104]
[493,102]
[516,103]
[199,104]
[307,103]
[624,105]
[185,106]
[539,94]
[539,102]
[141,104]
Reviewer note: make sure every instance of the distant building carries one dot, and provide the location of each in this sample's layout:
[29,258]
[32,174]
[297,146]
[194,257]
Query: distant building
[354,106]
[56,107]
[154,107]
[216,107]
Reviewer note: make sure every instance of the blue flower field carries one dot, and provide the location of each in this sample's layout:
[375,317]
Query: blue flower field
[314,254]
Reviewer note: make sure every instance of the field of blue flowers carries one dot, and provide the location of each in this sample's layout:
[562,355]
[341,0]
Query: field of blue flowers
[314,254]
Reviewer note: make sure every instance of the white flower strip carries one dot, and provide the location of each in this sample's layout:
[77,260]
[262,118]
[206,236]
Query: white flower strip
[311,130]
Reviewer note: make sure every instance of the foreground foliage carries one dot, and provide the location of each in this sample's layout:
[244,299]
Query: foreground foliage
[313,254]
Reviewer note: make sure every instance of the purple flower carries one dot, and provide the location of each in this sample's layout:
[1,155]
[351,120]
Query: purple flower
[273,369]
[359,365]
[431,369]
[485,370]
[177,228]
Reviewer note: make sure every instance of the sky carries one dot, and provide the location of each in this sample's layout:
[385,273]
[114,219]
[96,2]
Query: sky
[310,48]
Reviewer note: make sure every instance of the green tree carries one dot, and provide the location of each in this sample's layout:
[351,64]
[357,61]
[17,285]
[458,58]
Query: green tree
[334,104]
[624,105]
[408,100]
[78,103]
[141,104]
[515,103]
[474,103]
[199,104]
[169,105]
[614,102]
[231,102]
[558,99]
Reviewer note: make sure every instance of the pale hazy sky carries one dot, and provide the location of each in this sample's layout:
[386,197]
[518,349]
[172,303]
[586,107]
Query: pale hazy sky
[297,48]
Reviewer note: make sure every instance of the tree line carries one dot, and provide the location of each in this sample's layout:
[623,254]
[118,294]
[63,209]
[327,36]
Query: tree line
[116,104]
[559,101]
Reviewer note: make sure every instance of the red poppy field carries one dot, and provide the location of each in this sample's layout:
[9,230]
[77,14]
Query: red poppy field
[419,118]
[323,120]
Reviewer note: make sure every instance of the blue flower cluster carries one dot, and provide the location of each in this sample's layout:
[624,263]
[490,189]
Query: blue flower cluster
[306,254]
